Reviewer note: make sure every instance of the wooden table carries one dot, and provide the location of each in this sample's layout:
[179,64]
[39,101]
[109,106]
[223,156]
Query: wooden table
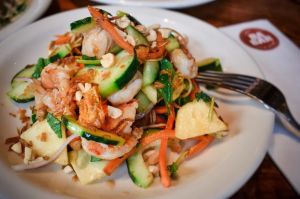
[268,181]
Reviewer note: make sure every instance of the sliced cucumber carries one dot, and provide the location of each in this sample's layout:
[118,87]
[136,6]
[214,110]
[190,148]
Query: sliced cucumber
[112,79]
[150,72]
[151,92]
[139,38]
[24,73]
[213,64]
[82,25]
[172,43]
[130,17]
[119,75]
[144,104]
[20,92]
[60,52]
[115,49]
[138,170]
[98,136]
[98,70]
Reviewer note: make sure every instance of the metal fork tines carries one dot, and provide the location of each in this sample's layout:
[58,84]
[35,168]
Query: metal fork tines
[256,88]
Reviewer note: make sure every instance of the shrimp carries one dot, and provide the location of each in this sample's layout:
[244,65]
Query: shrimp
[127,93]
[186,66]
[91,112]
[58,91]
[96,42]
[108,152]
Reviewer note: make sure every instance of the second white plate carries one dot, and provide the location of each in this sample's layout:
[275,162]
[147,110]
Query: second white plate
[156,3]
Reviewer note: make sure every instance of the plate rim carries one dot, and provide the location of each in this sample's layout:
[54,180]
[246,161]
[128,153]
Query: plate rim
[259,159]
[171,5]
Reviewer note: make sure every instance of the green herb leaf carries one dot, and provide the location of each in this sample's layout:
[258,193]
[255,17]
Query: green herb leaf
[33,118]
[94,159]
[38,68]
[55,124]
[165,77]
[203,96]
[173,170]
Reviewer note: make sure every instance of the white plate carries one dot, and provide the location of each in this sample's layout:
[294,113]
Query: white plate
[35,9]
[217,173]
[156,3]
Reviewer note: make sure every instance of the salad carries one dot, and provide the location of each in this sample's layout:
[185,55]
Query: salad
[10,9]
[113,91]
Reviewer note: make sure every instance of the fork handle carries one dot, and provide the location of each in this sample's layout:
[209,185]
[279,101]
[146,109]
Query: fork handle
[289,122]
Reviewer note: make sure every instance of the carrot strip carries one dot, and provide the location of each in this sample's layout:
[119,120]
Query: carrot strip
[161,109]
[164,175]
[156,136]
[195,90]
[62,39]
[115,163]
[204,141]
[171,118]
[104,23]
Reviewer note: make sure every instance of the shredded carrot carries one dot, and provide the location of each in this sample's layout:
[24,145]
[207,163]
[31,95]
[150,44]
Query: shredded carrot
[112,165]
[62,39]
[204,141]
[164,174]
[195,90]
[104,22]
[171,118]
[161,109]
[148,139]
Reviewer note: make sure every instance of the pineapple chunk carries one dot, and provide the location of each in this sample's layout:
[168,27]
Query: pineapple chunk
[194,119]
[86,171]
[45,142]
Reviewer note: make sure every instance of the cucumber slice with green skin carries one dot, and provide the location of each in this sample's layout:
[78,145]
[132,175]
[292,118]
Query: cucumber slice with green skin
[130,17]
[139,38]
[60,52]
[117,76]
[213,64]
[89,62]
[20,92]
[98,136]
[144,104]
[150,72]
[85,70]
[151,92]
[172,43]
[138,170]
[24,73]
[113,79]
[115,49]
[82,25]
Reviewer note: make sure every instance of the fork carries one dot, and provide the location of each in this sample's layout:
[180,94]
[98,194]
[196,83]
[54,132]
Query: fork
[257,89]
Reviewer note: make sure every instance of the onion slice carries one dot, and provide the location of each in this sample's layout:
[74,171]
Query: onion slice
[34,165]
